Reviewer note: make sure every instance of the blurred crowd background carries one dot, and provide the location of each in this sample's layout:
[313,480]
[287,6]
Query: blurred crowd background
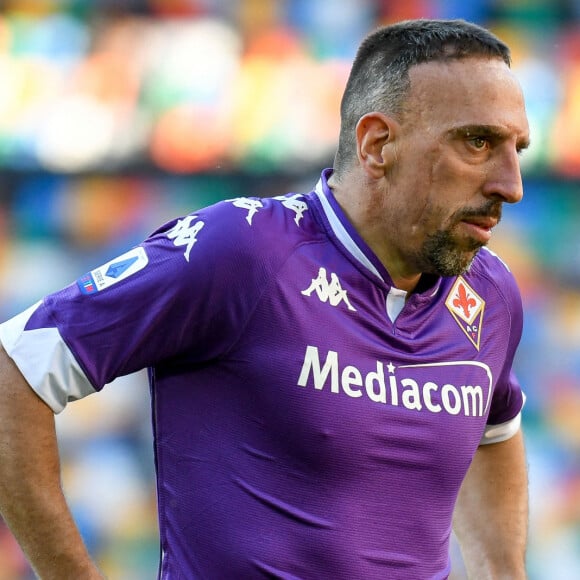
[117,115]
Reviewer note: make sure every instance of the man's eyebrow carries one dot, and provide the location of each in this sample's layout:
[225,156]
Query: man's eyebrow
[490,131]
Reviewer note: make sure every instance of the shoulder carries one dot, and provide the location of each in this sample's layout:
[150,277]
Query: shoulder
[244,233]
[236,225]
[489,272]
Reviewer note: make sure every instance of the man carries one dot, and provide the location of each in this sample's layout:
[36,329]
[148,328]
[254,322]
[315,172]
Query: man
[326,369]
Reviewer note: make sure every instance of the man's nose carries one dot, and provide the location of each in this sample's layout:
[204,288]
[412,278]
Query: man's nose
[504,180]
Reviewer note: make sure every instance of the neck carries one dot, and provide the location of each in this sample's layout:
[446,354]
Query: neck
[362,202]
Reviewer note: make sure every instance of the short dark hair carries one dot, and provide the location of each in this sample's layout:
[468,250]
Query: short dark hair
[379,77]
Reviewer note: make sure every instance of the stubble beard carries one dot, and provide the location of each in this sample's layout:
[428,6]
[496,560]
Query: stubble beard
[443,254]
[444,257]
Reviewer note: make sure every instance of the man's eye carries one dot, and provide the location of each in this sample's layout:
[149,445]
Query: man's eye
[479,142]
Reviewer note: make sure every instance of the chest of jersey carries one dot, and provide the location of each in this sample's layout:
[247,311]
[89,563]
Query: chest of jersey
[338,375]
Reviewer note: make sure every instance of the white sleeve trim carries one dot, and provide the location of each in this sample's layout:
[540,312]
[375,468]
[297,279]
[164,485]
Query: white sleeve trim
[503,431]
[46,362]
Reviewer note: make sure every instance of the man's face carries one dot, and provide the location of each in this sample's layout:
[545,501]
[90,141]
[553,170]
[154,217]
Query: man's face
[457,162]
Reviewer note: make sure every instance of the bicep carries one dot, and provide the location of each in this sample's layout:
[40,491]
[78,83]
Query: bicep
[491,513]
[26,421]
[496,461]
[496,483]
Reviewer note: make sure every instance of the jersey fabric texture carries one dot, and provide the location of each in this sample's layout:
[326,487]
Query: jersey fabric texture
[310,420]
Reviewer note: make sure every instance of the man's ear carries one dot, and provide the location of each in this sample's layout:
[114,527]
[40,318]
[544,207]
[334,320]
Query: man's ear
[375,134]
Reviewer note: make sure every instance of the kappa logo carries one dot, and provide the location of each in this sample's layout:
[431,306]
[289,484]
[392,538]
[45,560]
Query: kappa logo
[294,203]
[185,232]
[466,307]
[328,291]
[251,205]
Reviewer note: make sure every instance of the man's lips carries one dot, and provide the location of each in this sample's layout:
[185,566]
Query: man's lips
[479,228]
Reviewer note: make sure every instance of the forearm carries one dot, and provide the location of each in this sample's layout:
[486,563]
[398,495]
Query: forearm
[31,498]
[491,515]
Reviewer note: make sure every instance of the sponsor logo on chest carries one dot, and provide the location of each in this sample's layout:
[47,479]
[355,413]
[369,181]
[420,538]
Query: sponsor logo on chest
[461,388]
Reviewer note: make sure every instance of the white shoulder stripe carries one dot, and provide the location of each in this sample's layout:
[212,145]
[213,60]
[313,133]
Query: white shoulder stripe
[45,361]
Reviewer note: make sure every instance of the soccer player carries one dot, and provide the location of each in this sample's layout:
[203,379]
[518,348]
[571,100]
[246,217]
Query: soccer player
[331,372]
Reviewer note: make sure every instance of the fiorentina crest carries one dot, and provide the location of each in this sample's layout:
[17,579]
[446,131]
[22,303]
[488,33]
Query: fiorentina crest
[467,307]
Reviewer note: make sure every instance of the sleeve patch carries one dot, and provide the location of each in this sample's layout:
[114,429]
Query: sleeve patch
[114,271]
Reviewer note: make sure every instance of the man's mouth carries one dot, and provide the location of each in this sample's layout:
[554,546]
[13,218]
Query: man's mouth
[479,228]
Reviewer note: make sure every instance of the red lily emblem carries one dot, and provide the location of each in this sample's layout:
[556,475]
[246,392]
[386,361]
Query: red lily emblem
[464,301]
[466,306]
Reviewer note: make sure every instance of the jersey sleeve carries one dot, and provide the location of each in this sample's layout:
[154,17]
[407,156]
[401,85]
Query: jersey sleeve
[508,399]
[188,288]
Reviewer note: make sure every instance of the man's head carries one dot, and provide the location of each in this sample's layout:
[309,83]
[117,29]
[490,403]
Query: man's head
[433,121]
[379,77]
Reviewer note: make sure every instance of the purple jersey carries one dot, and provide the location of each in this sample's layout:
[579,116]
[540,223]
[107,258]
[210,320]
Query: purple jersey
[311,421]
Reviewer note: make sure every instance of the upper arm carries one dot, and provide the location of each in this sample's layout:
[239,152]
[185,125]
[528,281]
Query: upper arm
[20,407]
[496,485]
